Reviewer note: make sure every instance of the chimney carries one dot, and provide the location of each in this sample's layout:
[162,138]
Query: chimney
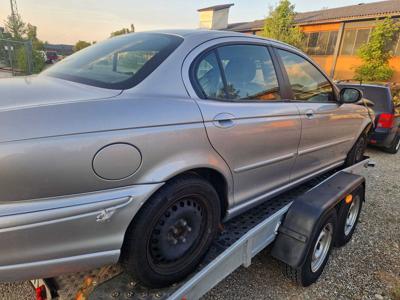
[214,17]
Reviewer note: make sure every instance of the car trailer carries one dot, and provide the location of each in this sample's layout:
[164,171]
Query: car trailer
[301,222]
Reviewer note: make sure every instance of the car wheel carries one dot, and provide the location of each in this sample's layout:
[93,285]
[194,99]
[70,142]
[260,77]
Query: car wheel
[172,232]
[394,148]
[318,253]
[356,153]
[348,215]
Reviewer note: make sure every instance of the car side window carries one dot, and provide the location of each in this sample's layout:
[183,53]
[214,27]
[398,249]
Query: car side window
[249,73]
[306,81]
[208,75]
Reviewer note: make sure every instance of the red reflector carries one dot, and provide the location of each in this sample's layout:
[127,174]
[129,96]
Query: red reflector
[372,141]
[386,121]
[41,293]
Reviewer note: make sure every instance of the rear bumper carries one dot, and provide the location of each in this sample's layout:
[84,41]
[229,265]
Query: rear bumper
[383,137]
[48,237]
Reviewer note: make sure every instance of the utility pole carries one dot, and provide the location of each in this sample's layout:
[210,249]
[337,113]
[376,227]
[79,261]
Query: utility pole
[14,9]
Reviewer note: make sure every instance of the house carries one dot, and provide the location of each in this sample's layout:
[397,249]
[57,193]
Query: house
[61,49]
[333,36]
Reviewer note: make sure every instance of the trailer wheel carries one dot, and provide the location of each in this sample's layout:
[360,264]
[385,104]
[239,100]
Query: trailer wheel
[172,232]
[318,253]
[348,215]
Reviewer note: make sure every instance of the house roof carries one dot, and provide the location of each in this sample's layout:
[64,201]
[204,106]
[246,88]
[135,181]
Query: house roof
[352,12]
[359,11]
[216,7]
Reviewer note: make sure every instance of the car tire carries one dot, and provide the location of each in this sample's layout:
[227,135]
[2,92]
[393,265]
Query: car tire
[356,153]
[348,215]
[313,266]
[394,148]
[172,232]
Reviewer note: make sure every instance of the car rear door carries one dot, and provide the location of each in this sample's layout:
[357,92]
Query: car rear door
[247,118]
[328,129]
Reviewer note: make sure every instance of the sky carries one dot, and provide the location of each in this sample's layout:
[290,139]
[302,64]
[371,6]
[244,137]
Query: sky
[93,20]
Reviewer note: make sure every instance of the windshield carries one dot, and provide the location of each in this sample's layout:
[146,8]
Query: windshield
[117,63]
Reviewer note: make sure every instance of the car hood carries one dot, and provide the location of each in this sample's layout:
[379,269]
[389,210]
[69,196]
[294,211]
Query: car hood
[32,91]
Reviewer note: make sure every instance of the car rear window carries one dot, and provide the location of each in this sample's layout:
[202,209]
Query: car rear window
[378,95]
[117,63]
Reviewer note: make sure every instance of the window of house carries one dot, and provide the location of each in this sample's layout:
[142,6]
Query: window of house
[321,43]
[330,49]
[395,45]
[361,38]
[353,39]
[348,42]
[313,43]
[397,51]
[306,81]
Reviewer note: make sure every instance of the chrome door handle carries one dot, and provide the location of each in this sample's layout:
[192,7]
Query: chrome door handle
[309,114]
[224,120]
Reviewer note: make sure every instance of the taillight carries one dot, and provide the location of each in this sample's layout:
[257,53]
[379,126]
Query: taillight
[385,121]
[41,293]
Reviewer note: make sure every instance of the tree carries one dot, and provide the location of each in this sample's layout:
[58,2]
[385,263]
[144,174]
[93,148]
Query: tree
[24,54]
[375,54]
[280,25]
[31,33]
[123,31]
[38,61]
[81,45]
[15,26]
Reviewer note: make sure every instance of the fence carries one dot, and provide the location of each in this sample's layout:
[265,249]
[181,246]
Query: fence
[15,57]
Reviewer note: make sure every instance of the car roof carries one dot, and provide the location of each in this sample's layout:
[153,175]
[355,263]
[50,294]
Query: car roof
[355,84]
[204,33]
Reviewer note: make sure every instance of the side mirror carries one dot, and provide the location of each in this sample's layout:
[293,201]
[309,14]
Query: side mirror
[350,95]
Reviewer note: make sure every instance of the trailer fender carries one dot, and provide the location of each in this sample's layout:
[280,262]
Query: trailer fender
[298,227]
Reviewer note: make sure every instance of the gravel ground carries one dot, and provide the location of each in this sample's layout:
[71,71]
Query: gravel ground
[367,268]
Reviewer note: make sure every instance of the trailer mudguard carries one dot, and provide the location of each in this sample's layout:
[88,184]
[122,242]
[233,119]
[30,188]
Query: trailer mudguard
[298,227]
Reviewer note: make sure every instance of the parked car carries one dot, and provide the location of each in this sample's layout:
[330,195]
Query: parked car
[137,148]
[51,56]
[387,131]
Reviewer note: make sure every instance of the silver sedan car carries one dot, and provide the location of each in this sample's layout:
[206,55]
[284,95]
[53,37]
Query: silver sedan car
[137,148]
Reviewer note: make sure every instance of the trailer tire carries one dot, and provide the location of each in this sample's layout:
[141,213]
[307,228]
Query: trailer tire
[348,215]
[310,271]
[172,232]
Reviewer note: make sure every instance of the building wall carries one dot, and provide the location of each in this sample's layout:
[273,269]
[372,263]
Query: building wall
[354,35]
[322,44]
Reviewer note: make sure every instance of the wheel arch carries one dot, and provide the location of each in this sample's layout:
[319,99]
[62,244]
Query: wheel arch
[217,180]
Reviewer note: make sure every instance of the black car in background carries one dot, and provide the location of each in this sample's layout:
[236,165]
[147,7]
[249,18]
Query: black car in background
[387,124]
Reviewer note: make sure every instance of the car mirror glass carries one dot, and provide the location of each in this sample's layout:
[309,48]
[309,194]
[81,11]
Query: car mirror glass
[350,95]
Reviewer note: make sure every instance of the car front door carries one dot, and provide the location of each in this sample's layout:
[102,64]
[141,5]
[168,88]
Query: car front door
[328,128]
[246,118]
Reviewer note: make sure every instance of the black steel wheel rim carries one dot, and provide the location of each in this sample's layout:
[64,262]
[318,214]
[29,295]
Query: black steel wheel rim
[177,233]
